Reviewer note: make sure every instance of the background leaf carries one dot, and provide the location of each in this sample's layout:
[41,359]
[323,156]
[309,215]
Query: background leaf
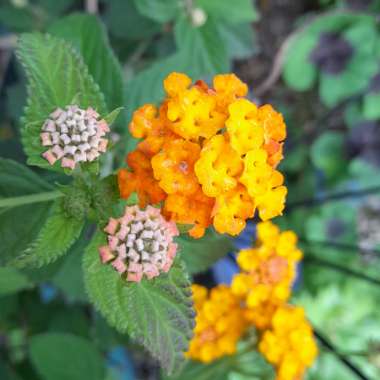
[65,357]
[159,10]
[157,313]
[11,281]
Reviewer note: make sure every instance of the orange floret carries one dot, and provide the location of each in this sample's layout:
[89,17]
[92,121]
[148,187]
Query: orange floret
[218,166]
[173,167]
[140,180]
[228,88]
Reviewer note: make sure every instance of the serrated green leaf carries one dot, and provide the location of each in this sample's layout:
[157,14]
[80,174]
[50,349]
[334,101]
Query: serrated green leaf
[56,74]
[200,254]
[159,10]
[89,37]
[237,11]
[55,238]
[11,281]
[157,313]
[65,357]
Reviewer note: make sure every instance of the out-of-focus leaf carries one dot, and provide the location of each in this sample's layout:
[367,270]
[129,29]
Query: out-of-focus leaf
[159,10]
[157,313]
[49,89]
[371,106]
[11,281]
[89,37]
[199,254]
[124,21]
[65,357]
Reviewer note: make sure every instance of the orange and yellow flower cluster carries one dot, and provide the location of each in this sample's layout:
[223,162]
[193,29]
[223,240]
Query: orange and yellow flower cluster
[257,297]
[209,154]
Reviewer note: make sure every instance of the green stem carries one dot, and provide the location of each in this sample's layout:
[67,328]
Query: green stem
[32,198]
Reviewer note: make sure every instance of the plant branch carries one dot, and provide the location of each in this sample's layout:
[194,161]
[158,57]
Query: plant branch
[28,199]
[342,358]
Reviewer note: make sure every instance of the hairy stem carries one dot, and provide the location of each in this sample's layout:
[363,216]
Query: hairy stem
[28,199]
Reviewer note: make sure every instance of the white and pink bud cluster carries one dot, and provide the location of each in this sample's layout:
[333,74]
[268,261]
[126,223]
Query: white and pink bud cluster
[74,135]
[140,243]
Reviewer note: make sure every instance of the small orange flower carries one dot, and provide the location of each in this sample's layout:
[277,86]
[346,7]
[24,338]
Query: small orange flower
[228,88]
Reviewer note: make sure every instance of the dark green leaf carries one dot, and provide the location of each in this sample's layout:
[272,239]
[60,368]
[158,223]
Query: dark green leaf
[55,238]
[200,254]
[157,313]
[159,10]
[65,357]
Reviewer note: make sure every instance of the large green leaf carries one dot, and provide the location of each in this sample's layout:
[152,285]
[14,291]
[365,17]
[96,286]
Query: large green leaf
[159,10]
[157,313]
[89,37]
[56,75]
[65,357]
[237,11]
[11,281]
[55,238]
[202,253]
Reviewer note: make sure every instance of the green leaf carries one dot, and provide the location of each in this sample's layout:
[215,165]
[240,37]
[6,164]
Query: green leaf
[327,153]
[371,106]
[159,10]
[65,357]
[11,281]
[237,11]
[124,21]
[112,116]
[20,225]
[203,47]
[56,74]
[89,37]
[297,61]
[55,238]
[200,254]
[157,313]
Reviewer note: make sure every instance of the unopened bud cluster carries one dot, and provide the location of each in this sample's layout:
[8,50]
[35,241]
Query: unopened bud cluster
[74,135]
[140,243]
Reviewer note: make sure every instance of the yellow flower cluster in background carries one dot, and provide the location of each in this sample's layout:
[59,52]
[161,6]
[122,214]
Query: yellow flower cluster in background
[219,323]
[209,154]
[257,297]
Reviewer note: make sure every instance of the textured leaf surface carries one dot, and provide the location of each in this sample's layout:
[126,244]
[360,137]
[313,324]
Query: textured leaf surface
[56,75]
[55,238]
[89,37]
[200,254]
[11,281]
[157,313]
[65,357]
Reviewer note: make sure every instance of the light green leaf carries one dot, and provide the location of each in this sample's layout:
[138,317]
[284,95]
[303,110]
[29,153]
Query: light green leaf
[157,313]
[200,254]
[112,116]
[159,10]
[65,357]
[89,37]
[371,106]
[11,281]
[56,74]
[237,11]
[55,238]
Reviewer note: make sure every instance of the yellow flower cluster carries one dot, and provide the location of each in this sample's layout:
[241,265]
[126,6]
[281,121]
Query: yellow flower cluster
[257,297]
[267,272]
[219,323]
[289,343]
[212,155]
